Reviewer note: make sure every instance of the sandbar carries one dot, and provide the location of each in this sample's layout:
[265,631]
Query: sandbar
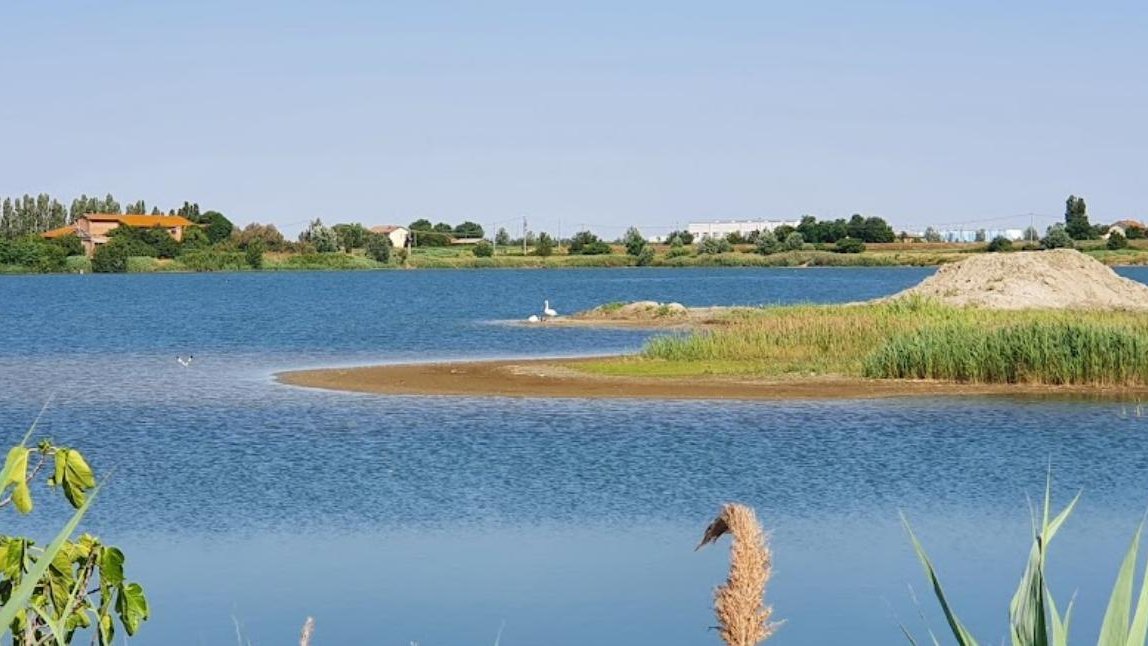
[560,378]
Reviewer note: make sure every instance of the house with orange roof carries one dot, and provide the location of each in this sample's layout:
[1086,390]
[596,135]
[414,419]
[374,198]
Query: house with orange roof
[93,228]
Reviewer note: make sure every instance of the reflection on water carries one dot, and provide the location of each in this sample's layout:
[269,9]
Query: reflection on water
[437,519]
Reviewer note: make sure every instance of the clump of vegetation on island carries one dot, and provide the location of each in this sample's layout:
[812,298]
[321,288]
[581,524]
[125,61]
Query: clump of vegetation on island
[913,338]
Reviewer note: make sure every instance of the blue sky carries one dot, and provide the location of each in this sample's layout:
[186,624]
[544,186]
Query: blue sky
[597,113]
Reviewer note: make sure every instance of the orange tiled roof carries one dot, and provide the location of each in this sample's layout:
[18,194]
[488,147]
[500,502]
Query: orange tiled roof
[386,228]
[59,233]
[142,220]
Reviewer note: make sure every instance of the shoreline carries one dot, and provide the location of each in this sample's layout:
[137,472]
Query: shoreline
[559,378]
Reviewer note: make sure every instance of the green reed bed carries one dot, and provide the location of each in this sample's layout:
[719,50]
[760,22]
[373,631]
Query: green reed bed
[913,339]
[1077,352]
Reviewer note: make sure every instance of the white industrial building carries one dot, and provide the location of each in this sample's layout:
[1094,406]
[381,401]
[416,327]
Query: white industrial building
[722,228]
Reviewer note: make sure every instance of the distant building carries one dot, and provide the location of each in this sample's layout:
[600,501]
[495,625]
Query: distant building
[465,240]
[722,228]
[970,235]
[1122,227]
[93,228]
[398,235]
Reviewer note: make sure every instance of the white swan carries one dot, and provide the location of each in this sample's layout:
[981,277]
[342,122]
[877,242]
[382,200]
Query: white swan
[533,318]
[547,311]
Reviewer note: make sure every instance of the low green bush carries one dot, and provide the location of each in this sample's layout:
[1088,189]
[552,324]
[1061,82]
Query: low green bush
[999,243]
[213,260]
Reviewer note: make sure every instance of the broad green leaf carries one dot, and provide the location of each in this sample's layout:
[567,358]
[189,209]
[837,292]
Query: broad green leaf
[23,592]
[60,460]
[78,477]
[22,497]
[78,470]
[131,606]
[15,467]
[107,630]
[112,566]
[960,633]
[1114,629]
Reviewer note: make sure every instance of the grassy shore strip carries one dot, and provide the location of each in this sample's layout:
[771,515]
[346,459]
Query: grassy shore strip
[910,339]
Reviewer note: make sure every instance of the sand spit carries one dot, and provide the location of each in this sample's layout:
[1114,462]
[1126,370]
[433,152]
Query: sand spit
[552,378]
[1054,279]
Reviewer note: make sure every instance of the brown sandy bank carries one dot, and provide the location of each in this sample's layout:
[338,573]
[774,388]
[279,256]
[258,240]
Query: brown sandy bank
[560,378]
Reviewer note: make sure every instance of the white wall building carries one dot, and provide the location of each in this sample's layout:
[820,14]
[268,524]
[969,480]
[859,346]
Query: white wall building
[970,235]
[722,228]
[397,234]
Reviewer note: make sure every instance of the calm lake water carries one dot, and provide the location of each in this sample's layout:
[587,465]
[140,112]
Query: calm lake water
[440,520]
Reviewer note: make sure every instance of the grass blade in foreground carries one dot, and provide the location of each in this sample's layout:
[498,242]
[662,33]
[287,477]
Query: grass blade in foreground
[960,633]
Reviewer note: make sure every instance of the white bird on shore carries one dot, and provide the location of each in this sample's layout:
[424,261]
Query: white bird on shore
[547,311]
[185,362]
[533,318]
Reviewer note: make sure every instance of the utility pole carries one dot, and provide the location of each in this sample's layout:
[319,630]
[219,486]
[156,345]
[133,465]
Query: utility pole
[524,235]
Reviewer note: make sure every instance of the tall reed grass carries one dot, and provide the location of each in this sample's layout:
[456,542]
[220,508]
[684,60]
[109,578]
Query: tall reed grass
[919,339]
[1046,352]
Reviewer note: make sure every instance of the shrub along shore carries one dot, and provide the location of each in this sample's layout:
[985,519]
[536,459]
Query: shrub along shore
[463,257]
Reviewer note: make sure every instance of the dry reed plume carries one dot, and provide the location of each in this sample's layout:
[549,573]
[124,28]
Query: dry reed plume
[308,630]
[743,617]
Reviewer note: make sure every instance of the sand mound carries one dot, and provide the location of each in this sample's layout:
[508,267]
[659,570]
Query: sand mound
[1058,278]
[638,310]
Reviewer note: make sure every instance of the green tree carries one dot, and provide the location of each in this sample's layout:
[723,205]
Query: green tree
[320,237]
[111,258]
[431,239]
[1031,234]
[767,243]
[980,235]
[378,247]
[70,243]
[443,227]
[782,231]
[634,241]
[502,238]
[217,227]
[421,224]
[999,243]
[712,245]
[931,235]
[265,233]
[136,208]
[1076,219]
[545,246]
[1057,238]
[686,237]
[253,254]
[1134,232]
[189,211]
[1116,241]
[469,230]
[794,242]
[581,240]
[645,257]
[849,245]
[350,236]
[483,249]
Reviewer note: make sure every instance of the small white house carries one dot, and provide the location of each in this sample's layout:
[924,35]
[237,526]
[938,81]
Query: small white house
[398,235]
